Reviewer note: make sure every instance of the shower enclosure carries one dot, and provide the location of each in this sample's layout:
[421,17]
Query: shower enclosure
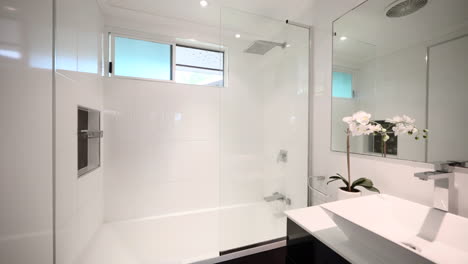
[187,172]
[263,127]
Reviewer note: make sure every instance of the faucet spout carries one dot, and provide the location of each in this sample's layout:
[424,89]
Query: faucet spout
[432,175]
[441,177]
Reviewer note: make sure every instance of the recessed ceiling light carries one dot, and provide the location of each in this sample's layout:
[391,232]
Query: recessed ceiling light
[204,3]
[237,35]
[343,38]
[288,45]
[9,8]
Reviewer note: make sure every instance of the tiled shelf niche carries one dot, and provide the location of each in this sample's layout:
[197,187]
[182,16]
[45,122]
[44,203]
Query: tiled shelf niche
[89,140]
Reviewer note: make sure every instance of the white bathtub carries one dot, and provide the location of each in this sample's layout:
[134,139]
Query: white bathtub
[185,237]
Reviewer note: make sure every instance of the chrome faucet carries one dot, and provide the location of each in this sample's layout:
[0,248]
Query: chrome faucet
[441,176]
[276,196]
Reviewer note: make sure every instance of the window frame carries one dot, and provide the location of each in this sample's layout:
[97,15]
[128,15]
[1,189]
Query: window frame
[202,68]
[111,59]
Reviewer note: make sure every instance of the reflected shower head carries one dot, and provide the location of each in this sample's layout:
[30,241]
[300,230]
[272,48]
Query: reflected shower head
[402,8]
[261,47]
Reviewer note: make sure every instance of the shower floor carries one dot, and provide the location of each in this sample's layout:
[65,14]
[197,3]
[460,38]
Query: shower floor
[184,238]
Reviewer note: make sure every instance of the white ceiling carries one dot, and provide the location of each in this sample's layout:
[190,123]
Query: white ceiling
[190,10]
[368,24]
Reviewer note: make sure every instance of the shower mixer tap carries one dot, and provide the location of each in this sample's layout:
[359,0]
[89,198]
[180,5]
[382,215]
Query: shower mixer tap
[276,196]
[282,156]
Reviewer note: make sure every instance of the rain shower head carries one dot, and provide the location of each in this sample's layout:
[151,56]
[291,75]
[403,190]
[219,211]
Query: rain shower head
[261,47]
[402,8]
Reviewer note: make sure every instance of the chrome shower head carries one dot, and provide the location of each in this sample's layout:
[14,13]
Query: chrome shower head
[261,47]
[402,8]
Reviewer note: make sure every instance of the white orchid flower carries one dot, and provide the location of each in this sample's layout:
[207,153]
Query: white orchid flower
[401,119]
[376,128]
[357,129]
[348,119]
[401,129]
[394,120]
[362,117]
[354,129]
[398,129]
[408,119]
[360,124]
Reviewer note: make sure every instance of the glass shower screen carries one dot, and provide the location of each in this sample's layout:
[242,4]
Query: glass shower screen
[263,127]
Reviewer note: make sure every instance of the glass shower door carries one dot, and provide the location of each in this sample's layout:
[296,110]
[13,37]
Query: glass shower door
[263,127]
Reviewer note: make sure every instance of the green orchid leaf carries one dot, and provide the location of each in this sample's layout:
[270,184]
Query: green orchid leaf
[365,183]
[372,189]
[361,182]
[338,177]
[333,180]
[344,179]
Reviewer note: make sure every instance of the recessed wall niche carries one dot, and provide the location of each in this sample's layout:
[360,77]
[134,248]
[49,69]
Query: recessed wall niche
[89,140]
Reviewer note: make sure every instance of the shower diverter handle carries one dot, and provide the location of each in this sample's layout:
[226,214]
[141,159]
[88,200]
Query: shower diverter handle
[92,133]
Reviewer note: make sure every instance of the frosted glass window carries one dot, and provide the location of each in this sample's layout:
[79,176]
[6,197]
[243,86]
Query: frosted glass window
[193,57]
[199,66]
[142,59]
[198,76]
[342,85]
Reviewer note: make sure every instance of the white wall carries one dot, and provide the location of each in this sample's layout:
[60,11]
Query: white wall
[161,148]
[175,148]
[26,140]
[286,117]
[263,111]
[448,96]
[390,176]
[273,117]
[79,201]
[162,138]
[401,89]
[242,123]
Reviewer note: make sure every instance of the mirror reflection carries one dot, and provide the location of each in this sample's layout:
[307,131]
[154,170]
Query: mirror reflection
[395,58]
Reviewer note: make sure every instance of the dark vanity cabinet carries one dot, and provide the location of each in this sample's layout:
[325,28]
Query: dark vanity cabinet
[303,248]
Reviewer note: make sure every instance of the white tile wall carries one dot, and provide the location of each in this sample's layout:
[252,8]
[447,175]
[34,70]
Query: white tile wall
[263,111]
[390,176]
[79,201]
[162,148]
[219,151]
[447,69]
[26,125]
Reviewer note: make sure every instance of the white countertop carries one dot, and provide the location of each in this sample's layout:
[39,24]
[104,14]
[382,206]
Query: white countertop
[316,221]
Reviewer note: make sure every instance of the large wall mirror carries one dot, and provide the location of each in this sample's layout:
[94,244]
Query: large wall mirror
[393,58]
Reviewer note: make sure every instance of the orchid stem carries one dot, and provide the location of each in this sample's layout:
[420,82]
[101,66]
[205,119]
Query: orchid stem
[385,149]
[348,159]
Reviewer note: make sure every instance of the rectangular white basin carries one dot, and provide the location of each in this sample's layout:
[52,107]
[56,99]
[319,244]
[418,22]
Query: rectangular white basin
[400,231]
